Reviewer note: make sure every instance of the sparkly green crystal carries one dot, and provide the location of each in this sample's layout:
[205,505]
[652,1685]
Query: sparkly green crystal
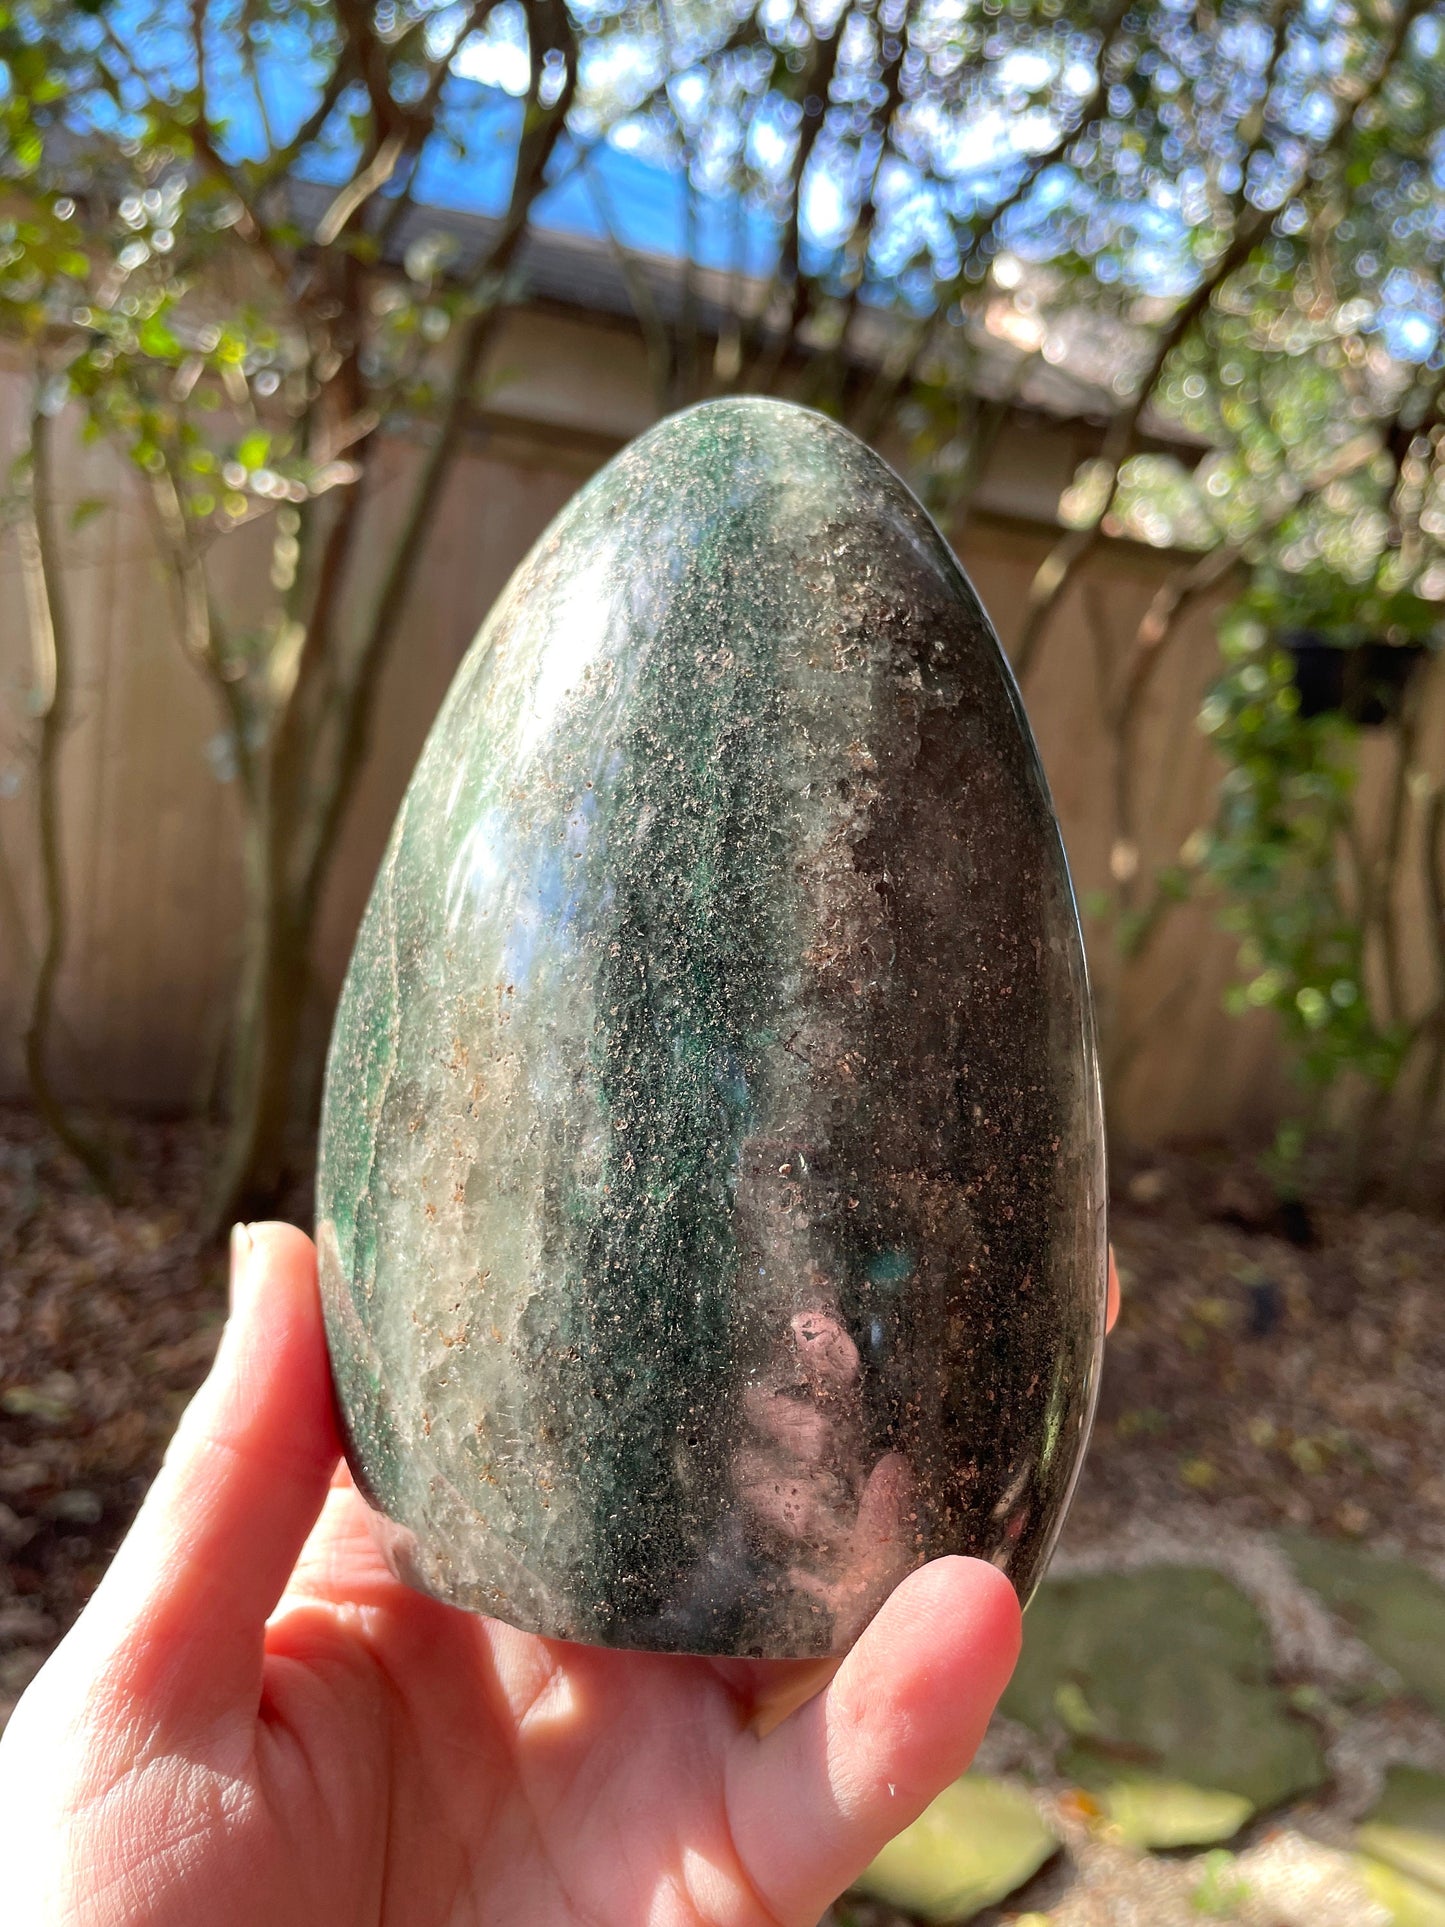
[711,1188]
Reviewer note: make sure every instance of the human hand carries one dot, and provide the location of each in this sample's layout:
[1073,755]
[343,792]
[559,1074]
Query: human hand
[254,1724]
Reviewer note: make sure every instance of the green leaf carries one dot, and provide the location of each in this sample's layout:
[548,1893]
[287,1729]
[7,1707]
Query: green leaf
[1169,1813]
[1406,1830]
[1073,1709]
[87,511]
[157,340]
[979,1841]
[1410,1902]
[1220,1892]
[1420,1855]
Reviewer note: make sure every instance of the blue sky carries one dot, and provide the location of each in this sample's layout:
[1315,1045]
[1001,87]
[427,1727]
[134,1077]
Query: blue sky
[634,180]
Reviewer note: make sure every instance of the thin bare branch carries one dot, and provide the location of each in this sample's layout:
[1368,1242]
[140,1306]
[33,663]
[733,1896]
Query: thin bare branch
[373,65]
[1431,1028]
[44,596]
[250,225]
[901,367]
[1432,852]
[1058,568]
[1382,903]
[202,630]
[829,366]
[421,120]
[787,281]
[639,289]
[312,127]
[551,33]
[367,181]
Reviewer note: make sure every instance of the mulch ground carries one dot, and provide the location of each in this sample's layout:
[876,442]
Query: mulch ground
[108,1319]
[1277,1381]
[1286,1367]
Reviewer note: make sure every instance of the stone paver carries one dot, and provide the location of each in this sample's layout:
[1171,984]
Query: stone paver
[1185,1668]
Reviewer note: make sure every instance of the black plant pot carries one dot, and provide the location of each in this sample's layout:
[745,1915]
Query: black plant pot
[1363,681]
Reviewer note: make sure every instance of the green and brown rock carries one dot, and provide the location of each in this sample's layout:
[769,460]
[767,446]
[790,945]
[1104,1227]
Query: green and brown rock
[711,1191]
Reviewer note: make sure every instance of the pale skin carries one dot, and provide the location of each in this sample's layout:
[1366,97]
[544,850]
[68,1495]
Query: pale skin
[252,1724]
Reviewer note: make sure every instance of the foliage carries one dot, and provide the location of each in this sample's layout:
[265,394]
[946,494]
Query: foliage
[1286,805]
[978,1842]
[1220,1890]
[1163,1676]
[1316,909]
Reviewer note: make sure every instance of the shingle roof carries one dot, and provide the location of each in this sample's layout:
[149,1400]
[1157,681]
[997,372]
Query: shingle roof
[612,201]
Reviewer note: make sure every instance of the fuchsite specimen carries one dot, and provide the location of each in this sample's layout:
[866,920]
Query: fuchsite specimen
[711,1198]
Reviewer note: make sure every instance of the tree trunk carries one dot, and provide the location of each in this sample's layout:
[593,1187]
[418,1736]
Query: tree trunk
[275,974]
[52,641]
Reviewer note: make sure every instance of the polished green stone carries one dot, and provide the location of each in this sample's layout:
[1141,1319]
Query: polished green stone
[711,1190]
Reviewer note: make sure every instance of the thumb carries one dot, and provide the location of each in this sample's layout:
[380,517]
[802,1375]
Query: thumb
[812,1802]
[177,1624]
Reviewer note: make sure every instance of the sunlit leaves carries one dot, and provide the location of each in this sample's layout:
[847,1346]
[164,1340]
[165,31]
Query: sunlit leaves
[1279,848]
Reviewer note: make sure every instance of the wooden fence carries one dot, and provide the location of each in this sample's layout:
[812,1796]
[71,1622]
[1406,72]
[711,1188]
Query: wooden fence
[150,816]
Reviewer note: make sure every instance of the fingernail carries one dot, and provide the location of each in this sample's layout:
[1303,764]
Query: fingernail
[240,1258]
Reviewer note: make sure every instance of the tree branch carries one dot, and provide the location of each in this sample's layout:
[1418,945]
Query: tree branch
[52,641]
[421,120]
[1058,569]
[890,80]
[250,225]
[373,66]
[639,290]
[310,129]
[1432,1025]
[902,367]
[202,631]
[786,277]
[551,32]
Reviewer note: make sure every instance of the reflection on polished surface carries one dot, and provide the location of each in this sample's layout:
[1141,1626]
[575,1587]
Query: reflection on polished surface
[711,1193]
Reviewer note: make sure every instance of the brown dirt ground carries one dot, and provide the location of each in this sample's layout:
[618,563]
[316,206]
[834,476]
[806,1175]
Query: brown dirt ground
[1271,1381]
[1280,1382]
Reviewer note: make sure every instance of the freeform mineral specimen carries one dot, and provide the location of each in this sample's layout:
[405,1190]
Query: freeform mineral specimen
[711,1191]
